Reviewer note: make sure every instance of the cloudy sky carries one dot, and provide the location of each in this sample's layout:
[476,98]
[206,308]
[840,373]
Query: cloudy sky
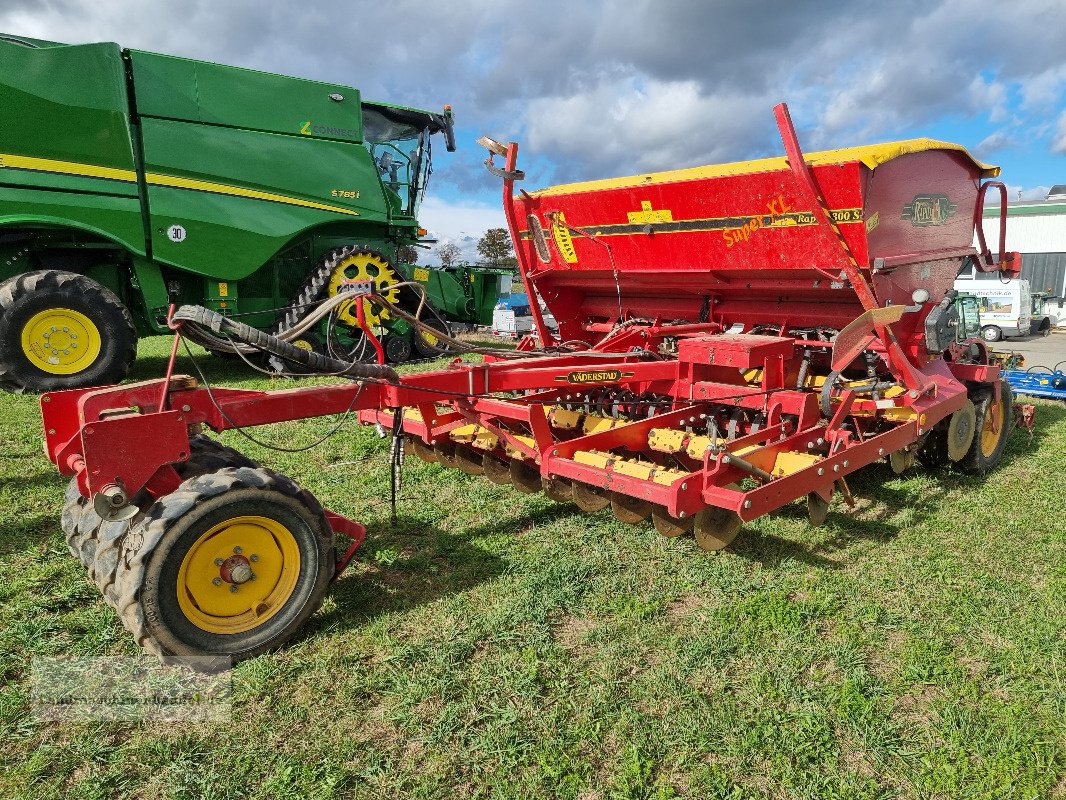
[613,87]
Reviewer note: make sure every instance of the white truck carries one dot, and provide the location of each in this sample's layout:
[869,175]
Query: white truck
[516,321]
[1006,306]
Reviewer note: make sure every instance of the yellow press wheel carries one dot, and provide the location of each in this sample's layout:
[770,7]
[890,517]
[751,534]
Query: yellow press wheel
[364,266]
[231,564]
[238,574]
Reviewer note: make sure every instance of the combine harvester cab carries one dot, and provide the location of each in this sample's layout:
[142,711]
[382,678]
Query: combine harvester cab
[731,339]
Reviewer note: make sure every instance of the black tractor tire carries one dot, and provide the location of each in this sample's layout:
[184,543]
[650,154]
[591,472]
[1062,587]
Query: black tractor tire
[425,348]
[147,583]
[25,296]
[985,454]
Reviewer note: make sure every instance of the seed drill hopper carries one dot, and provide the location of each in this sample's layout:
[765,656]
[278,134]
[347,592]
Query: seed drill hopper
[731,339]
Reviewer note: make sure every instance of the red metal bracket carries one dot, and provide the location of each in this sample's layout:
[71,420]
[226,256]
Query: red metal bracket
[350,528]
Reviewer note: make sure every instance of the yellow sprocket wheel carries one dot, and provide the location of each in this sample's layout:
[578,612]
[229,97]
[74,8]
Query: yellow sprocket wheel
[362,266]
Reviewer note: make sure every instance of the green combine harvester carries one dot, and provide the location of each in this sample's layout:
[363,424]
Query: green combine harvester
[130,181]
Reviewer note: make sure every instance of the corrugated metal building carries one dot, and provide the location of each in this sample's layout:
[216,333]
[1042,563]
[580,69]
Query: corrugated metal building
[1037,230]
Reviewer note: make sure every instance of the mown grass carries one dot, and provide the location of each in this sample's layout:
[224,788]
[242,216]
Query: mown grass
[493,644]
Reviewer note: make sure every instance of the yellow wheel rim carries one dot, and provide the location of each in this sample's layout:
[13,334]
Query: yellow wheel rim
[303,344]
[428,338]
[210,590]
[362,267]
[61,341]
[992,429]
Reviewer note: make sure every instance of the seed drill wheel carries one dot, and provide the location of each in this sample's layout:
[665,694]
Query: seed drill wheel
[232,564]
[716,528]
[995,421]
[558,489]
[497,470]
[60,330]
[630,510]
[525,477]
[961,430]
[590,498]
[668,525]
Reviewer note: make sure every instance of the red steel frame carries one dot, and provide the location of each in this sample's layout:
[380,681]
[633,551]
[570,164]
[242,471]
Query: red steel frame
[127,438]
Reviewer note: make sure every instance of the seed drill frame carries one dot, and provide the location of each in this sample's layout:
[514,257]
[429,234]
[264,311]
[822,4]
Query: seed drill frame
[731,339]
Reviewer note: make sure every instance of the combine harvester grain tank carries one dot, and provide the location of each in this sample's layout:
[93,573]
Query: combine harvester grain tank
[731,339]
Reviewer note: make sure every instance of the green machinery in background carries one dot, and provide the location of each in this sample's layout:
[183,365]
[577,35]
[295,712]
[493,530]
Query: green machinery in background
[132,180]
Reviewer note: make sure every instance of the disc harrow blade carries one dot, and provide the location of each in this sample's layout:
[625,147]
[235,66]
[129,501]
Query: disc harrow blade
[628,509]
[590,498]
[525,478]
[496,470]
[716,528]
[667,524]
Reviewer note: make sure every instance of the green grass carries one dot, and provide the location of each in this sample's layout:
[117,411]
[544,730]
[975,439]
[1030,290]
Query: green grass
[494,644]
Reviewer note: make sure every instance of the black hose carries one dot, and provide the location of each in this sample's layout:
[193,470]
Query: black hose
[316,362]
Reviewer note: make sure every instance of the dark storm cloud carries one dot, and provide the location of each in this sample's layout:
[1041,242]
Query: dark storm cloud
[622,86]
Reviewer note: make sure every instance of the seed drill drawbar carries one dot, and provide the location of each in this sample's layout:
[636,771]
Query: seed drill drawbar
[731,339]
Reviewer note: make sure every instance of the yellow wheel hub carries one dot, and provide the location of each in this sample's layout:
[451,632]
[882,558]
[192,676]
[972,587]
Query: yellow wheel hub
[992,429]
[238,574]
[363,267]
[61,341]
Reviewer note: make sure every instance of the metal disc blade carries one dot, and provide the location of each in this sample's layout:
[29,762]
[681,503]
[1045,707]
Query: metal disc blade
[962,427]
[445,453]
[667,525]
[716,528]
[559,489]
[817,509]
[423,450]
[630,510]
[901,461]
[469,461]
[496,470]
[525,478]
[590,498]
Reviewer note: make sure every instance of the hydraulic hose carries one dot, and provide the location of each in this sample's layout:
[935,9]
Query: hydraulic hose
[200,318]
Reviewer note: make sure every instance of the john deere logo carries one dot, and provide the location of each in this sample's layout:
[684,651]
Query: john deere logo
[310,129]
[929,209]
[595,376]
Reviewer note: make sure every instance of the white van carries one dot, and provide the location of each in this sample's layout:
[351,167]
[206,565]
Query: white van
[1006,307]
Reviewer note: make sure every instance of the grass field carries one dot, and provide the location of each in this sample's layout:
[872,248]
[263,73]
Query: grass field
[494,644]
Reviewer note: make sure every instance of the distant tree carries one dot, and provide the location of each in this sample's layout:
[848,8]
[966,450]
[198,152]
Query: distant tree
[407,254]
[447,252]
[495,247]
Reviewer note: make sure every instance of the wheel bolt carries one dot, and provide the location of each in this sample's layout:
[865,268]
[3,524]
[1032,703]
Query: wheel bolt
[218,562]
[254,557]
[217,581]
[233,589]
[237,549]
[252,577]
